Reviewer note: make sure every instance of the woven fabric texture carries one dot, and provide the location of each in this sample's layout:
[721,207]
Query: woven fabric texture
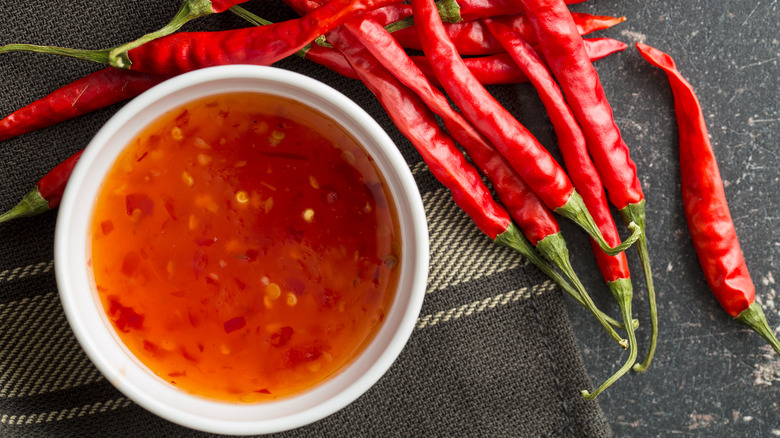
[493,353]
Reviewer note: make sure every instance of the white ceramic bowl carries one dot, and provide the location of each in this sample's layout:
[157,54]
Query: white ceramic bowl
[94,331]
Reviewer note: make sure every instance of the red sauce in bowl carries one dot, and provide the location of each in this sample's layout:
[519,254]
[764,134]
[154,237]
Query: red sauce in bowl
[244,247]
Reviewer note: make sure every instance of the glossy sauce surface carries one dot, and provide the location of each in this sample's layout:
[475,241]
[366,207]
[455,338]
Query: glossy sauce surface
[244,247]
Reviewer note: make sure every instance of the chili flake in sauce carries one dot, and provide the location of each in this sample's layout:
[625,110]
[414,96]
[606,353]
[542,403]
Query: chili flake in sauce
[244,247]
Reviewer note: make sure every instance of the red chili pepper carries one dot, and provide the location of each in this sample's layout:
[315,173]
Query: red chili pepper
[454,11]
[47,193]
[186,51]
[98,90]
[501,69]
[473,38]
[706,209]
[189,10]
[583,175]
[330,58]
[534,164]
[565,54]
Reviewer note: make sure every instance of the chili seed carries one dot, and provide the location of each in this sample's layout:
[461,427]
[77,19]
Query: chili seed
[276,138]
[135,216]
[269,204]
[261,128]
[204,159]
[242,197]
[187,178]
[291,300]
[241,163]
[168,345]
[313,182]
[348,156]
[390,261]
[224,349]
[201,144]
[308,215]
[273,291]
[176,133]
[193,222]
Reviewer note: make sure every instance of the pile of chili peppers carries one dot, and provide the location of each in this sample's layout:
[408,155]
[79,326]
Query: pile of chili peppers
[467,44]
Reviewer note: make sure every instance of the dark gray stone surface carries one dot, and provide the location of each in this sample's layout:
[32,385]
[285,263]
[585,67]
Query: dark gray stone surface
[711,376]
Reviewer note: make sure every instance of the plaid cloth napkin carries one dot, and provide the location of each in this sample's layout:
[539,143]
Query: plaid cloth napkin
[493,353]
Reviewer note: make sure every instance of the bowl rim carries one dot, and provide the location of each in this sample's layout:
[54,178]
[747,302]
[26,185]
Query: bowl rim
[72,271]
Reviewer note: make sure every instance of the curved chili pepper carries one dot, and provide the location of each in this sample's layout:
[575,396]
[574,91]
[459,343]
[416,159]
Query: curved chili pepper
[185,51]
[706,208]
[189,10]
[473,37]
[583,175]
[97,90]
[563,50]
[47,193]
[501,69]
[454,11]
[530,159]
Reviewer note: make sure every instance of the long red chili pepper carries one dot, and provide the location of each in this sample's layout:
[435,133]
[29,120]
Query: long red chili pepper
[473,38]
[534,164]
[564,52]
[501,69]
[97,90]
[706,208]
[189,10]
[47,193]
[454,11]
[185,51]
[583,175]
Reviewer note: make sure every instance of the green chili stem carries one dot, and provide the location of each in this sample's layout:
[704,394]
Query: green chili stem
[635,213]
[575,210]
[623,293]
[99,56]
[31,204]
[553,247]
[754,318]
[514,239]
[248,16]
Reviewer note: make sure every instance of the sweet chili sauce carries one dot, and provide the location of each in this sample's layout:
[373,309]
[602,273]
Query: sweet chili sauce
[244,247]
